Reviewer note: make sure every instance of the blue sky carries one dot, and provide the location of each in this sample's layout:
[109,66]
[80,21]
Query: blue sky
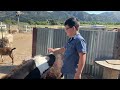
[92,12]
[96,12]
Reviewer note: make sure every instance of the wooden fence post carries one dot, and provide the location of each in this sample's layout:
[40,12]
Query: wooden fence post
[34,40]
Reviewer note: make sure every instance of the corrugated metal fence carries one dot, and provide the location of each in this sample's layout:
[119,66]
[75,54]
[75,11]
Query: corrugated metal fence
[100,45]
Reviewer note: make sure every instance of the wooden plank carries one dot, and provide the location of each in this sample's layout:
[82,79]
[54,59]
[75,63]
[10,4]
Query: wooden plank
[111,68]
[114,62]
[108,65]
[110,73]
[34,40]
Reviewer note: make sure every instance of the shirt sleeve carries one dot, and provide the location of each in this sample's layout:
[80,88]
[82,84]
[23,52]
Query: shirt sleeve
[64,46]
[81,46]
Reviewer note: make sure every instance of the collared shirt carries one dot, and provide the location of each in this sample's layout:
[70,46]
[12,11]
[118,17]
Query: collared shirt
[74,46]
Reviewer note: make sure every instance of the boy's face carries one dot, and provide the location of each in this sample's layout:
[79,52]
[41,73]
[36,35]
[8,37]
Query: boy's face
[70,31]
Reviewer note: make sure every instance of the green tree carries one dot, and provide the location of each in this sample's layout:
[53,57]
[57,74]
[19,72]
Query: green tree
[31,22]
[52,22]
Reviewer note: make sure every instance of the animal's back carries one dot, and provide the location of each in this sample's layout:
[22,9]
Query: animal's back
[6,50]
[52,73]
[3,51]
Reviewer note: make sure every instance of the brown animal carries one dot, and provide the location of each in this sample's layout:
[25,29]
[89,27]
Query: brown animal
[12,31]
[7,51]
[54,72]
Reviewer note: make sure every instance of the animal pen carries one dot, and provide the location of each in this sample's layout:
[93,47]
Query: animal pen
[101,45]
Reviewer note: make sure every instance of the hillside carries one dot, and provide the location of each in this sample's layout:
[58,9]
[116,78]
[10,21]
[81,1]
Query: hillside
[61,15]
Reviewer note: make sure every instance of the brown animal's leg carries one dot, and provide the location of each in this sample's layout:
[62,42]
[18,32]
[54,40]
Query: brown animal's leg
[2,58]
[11,56]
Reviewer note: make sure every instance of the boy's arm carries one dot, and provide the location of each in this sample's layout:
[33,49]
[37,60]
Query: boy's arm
[57,50]
[81,64]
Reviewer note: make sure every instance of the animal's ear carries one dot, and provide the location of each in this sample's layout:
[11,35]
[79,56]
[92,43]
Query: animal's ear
[47,57]
[51,56]
[51,60]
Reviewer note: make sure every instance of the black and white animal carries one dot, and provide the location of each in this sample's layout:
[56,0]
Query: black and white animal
[43,63]
[54,72]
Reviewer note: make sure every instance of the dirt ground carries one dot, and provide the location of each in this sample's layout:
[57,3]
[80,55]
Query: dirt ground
[23,44]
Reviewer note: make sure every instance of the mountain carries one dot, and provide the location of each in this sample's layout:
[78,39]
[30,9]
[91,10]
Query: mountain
[111,16]
[61,15]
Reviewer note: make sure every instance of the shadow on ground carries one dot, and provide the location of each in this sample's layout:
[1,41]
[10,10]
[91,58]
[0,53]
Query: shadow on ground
[6,68]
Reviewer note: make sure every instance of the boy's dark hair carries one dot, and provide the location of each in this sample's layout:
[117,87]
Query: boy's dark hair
[72,22]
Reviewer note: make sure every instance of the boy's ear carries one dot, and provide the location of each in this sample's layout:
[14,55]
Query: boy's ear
[76,28]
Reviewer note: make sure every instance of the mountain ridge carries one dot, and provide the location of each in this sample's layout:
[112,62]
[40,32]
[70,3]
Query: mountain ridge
[61,15]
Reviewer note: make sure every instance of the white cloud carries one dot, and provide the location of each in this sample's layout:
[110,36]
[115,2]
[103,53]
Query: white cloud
[96,12]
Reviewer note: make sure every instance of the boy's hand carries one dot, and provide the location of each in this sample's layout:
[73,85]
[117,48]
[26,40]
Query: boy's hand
[50,50]
[77,76]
